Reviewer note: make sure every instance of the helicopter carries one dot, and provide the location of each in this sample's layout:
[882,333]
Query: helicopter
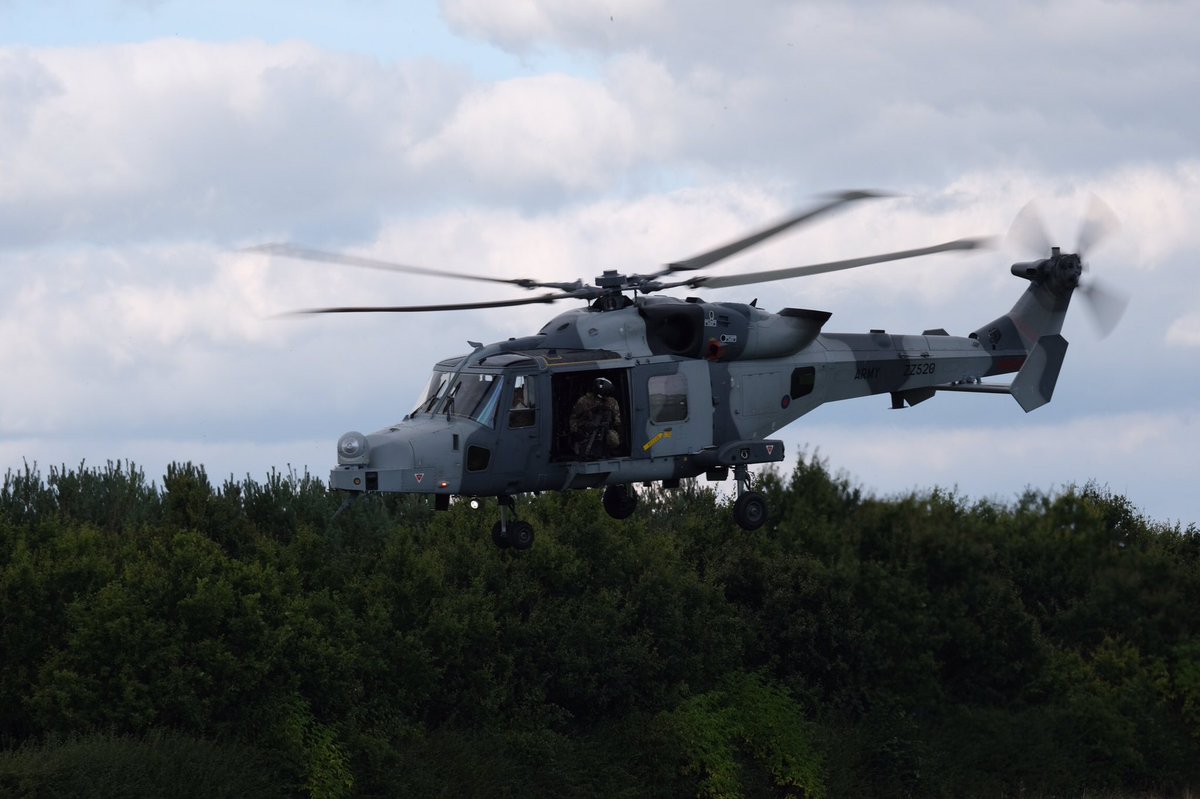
[636,387]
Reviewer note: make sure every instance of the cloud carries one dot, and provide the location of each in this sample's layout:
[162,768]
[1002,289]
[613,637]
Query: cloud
[1185,331]
[524,26]
[566,132]
[173,137]
[928,88]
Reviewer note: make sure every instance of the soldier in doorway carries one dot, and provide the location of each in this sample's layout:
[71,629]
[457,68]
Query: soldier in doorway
[596,420]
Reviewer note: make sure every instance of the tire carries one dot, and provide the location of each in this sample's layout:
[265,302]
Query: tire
[520,535]
[750,510]
[500,536]
[620,501]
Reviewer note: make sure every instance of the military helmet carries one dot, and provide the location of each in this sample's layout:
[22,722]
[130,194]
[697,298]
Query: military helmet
[603,387]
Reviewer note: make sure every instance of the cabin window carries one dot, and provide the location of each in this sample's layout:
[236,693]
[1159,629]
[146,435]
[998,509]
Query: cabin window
[802,381]
[668,398]
[523,409]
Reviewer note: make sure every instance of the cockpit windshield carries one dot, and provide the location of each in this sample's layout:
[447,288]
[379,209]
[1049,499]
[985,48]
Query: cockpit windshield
[473,395]
[429,397]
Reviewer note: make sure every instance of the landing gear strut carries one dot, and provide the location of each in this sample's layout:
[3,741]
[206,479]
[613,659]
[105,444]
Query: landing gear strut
[620,501]
[511,532]
[750,508]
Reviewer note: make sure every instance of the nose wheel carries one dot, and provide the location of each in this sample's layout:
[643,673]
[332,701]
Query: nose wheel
[750,507]
[511,531]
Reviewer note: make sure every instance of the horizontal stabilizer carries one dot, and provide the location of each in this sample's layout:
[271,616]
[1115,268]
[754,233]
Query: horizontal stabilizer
[977,388]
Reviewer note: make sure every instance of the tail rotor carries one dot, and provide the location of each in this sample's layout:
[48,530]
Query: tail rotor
[1105,304]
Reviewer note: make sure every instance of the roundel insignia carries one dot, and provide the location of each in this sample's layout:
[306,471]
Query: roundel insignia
[786,401]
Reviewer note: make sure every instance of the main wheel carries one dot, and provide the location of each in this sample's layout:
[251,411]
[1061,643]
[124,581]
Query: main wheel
[620,501]
[520,535]
[500,536]
[750,510]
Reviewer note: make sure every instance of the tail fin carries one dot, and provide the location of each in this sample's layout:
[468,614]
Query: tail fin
[1028,339]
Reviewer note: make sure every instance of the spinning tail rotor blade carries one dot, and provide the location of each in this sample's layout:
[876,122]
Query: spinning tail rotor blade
[732,248]
[1098,223]
[1106,305]
[723,281]
[1028,231]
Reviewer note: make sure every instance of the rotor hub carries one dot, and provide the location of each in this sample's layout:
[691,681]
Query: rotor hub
[1061,271]
[1067,269]
[611,279]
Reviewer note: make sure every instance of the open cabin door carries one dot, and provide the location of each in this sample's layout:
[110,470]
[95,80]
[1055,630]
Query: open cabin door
[590,425]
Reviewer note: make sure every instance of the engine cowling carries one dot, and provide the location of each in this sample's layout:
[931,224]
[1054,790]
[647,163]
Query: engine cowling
[728,331]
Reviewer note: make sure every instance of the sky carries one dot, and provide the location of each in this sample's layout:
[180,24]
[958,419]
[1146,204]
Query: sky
[144,144]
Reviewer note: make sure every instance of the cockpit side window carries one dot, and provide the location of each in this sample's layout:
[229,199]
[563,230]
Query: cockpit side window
[523,409]
[475,396]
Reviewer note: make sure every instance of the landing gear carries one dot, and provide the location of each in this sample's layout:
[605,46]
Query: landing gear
[750,508]
[620,501]
[500,535]
[511,532]
[520,534]
[351,498]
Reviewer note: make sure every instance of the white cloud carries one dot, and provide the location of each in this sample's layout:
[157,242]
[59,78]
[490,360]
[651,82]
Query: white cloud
[173,137]
[1185,331]
[555,129]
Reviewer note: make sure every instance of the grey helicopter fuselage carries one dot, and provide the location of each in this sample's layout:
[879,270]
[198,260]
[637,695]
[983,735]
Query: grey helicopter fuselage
[699,387]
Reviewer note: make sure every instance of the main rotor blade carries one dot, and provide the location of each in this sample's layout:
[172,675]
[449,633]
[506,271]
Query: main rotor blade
[1098,223]
[720,253]
[456,306]
[308,254]
[723,281]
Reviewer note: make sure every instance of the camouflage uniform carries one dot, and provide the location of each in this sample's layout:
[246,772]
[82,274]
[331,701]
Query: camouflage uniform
[595,421]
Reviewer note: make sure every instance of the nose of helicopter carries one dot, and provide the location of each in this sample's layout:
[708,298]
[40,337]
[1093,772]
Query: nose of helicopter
[406,458]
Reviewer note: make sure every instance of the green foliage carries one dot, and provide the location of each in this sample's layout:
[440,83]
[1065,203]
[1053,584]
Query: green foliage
[149,766]
[915,645]
[745,724]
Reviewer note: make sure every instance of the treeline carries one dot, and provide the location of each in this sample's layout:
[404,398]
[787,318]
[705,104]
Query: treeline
[234,640]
